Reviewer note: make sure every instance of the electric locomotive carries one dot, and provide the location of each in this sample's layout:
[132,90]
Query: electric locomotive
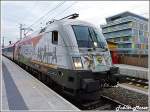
[73,54]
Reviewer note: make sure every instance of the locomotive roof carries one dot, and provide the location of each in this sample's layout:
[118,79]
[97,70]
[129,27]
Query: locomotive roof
[57,23]
[11,45]
[72,22]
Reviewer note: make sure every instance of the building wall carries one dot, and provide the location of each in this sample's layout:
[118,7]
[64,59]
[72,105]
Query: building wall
[128,32]
[111,45]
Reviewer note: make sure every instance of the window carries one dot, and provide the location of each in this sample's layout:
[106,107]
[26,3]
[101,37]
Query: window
[141,33]
[126,39]
[55,37]
[86,36]
[112,40]
[135,32]
[146,27]
[146,40]
[146,46]
[145,34]
[115,18]
[132,45]
[126,32]
[117,39]
[130,24]
[138,46]
[129,46]
[141,26]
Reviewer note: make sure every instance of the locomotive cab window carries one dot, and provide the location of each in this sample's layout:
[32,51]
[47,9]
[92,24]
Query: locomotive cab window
[55,37]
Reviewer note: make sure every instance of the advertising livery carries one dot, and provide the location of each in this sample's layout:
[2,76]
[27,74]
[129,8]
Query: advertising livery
[72,53]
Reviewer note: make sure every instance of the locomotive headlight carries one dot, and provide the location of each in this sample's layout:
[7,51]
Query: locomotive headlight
[95,44]
[77,62]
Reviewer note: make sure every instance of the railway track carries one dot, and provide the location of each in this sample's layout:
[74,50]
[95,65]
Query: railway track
[126,96]
[104,103]
[135,81]
[109,104]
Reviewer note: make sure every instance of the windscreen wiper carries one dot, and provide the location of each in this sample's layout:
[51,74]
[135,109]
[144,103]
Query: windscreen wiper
[90,37]
[101,45]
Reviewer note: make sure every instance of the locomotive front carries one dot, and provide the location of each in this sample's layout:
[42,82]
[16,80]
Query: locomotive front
[91,59]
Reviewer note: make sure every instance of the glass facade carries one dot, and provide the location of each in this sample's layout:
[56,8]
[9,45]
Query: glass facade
[118,27]
[135,32]
[128,32]
[125,45]
[115,34]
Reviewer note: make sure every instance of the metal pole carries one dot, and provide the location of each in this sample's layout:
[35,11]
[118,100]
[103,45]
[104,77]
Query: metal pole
[24,33]
[3,42]
[20,31]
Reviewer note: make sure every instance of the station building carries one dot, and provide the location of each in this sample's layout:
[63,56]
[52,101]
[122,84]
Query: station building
[129,31]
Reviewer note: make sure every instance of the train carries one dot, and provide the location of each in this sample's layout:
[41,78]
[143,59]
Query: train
[70,53]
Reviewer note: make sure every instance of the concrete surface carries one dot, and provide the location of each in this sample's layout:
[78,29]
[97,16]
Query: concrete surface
[21,91]
[134,71]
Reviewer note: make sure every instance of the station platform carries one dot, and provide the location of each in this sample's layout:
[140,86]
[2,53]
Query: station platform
[133,71]
[21,91]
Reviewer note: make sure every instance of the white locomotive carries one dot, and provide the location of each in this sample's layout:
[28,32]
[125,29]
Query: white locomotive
[72,53]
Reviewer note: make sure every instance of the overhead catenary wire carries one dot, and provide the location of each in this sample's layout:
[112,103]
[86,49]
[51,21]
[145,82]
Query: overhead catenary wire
[60,13]
[60,4]
[65,9]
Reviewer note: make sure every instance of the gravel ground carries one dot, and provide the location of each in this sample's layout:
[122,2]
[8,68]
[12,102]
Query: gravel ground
[127,97]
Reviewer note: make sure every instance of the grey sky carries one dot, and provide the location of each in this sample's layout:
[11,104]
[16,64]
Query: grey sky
[27,12]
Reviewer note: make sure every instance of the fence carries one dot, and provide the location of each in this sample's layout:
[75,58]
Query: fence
[133,59]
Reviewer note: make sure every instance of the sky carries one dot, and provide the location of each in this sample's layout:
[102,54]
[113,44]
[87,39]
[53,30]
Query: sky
[14,13]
